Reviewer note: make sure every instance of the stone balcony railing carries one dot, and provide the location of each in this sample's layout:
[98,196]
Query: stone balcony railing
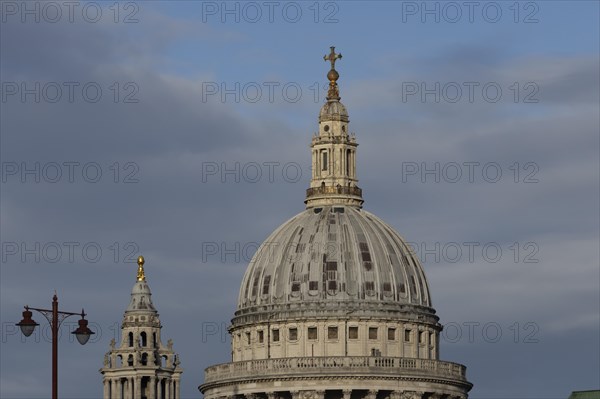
[313,191]
[305,366]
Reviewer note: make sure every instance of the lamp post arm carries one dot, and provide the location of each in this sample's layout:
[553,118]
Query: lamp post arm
[48,314]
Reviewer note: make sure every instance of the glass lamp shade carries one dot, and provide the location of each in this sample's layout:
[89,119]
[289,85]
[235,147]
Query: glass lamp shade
[82,332]
[27,325]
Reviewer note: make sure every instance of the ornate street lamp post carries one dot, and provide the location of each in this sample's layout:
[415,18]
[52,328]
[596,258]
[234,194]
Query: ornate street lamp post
[55,318]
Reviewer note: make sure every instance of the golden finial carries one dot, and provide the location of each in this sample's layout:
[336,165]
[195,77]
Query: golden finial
[140,275]
[333,92]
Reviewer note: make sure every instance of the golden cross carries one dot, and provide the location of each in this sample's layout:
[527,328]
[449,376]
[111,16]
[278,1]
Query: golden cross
[332,57]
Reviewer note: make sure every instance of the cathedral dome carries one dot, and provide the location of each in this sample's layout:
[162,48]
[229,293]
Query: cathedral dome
[334,256]
[335,304]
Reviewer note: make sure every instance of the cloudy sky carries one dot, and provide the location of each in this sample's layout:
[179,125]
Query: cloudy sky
[179,130]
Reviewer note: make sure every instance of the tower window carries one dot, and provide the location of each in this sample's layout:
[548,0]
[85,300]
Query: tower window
[261,336]
[324,160]
[275,334]
[131,340]
[332,332]
[353,332]
[407,335]
[248,337]
[326,128]
[144,339]
[293,334]
[312,332]
[391,334]
[372,332]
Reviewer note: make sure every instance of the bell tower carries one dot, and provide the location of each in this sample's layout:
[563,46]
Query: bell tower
[140,366]
[333,149]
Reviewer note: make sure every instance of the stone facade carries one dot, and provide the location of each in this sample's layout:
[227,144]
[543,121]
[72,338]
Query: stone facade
[140,366]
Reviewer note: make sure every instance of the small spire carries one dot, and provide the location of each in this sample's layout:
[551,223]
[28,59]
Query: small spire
[333,93]
[140,273]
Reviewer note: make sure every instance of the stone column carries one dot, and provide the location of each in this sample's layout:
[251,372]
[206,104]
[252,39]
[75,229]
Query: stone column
[167,389]
[106,393]
[151,389]
[347,393]
[116,386]
[372,394]
[137,388]
[130,388]
[319,394]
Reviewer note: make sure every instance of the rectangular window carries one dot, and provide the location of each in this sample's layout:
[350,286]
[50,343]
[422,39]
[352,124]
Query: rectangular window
[406,335]
[313,285]
[248,337]
[391,334]
[293,334]
[372,332]
[266,285]
[312,332]
[261,337]
[353,332]
[332,332]
[275,334]
[324,160]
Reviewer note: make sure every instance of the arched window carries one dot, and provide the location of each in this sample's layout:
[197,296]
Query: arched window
[144,359]
[144,339]
[131,340]
[130,360]
[154,339]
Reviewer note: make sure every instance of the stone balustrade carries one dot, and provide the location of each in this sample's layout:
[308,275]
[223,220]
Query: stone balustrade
[329,365]
[313,191]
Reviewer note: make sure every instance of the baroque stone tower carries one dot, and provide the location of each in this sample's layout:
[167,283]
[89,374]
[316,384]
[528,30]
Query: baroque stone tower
[140,366]
[335,304]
